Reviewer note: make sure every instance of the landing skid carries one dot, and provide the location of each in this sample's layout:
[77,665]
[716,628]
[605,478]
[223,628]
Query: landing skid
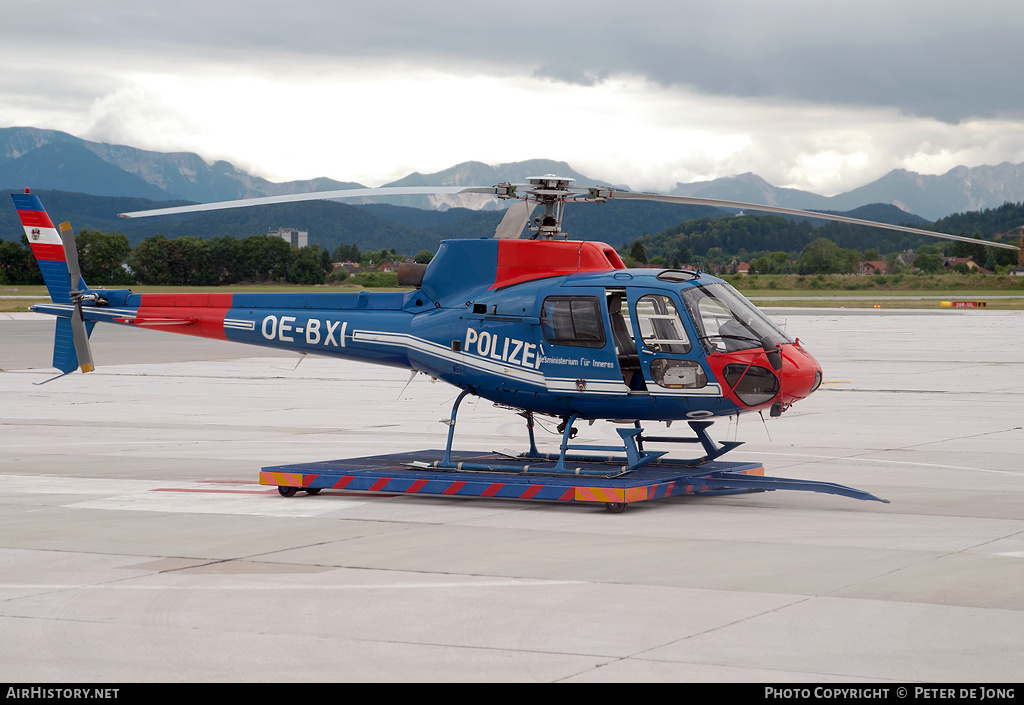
[634,456]
[623,458]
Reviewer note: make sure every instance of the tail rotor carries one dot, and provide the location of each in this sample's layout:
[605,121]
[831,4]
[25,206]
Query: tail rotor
[78,332]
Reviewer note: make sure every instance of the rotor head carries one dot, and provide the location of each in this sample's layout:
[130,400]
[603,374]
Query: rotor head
[550,191]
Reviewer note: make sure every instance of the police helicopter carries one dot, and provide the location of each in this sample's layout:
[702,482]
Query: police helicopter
[541,324]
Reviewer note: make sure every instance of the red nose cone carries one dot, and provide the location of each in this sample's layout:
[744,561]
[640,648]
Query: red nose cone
[800,374]
[750,379]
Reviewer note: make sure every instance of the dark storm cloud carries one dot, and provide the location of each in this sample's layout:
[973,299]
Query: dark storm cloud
[948,60]
[944,59]
[816,94]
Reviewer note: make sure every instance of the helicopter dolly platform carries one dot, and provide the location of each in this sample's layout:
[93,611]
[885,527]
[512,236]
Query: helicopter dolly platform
[407,473]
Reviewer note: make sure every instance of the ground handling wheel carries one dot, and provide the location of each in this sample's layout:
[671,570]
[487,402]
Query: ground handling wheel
[287,491]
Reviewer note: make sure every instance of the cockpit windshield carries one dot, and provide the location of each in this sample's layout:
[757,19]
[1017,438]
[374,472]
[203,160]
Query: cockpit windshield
[726,321]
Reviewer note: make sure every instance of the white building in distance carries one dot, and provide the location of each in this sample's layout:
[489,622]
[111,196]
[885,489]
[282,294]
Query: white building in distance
[297,238]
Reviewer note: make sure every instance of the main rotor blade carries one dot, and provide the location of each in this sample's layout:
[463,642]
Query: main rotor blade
[314,196]
[515,219]
[694,201]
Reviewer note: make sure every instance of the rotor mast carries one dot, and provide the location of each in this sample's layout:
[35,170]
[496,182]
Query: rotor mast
[549,191]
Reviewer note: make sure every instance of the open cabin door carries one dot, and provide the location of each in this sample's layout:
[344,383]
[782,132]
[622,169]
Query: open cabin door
[664,358]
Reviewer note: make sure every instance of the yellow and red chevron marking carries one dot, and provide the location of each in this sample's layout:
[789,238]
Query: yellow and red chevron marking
[612,494]
[285,479]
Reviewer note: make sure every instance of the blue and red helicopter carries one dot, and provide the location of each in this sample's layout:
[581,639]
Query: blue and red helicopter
[542,325]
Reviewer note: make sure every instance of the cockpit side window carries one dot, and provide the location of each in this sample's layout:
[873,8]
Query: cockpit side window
[572,320]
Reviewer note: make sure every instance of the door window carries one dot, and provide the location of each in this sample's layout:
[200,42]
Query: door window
[572,320]
[661,329]
[678,374]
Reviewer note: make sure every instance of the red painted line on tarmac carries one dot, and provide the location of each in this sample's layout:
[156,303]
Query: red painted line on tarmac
[183,489]
[270,491]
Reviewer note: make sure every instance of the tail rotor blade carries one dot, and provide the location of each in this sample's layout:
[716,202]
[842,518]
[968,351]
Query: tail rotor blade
[71,255]
[79,334]
[81,339]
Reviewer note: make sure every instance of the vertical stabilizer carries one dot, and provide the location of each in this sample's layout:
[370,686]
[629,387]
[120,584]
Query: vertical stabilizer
[47,247]
[57,257]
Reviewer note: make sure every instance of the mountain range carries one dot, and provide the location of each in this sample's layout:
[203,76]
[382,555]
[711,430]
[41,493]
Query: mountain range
[50,159]
[332,223]
[932,197]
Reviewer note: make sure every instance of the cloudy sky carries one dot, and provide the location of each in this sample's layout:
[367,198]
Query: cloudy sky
[823,95]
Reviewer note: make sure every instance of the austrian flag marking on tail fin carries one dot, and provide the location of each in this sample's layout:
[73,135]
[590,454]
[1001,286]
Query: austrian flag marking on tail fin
[46,244]
[39,229]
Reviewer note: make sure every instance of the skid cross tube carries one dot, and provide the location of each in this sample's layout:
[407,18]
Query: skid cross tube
[533,452]
[633,446]
[447,460]
[559,468]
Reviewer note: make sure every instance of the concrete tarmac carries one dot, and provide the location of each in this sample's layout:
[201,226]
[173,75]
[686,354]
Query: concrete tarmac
[136,544]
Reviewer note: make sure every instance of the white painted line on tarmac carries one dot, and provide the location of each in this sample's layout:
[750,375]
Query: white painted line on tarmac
[294,586]
[176,497]
[189,503]
[858,459]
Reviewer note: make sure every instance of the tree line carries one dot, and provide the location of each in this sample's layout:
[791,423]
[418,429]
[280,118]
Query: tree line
[776,245]
[107,259]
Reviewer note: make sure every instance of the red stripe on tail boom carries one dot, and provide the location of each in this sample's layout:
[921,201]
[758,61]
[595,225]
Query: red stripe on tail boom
[209,311]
